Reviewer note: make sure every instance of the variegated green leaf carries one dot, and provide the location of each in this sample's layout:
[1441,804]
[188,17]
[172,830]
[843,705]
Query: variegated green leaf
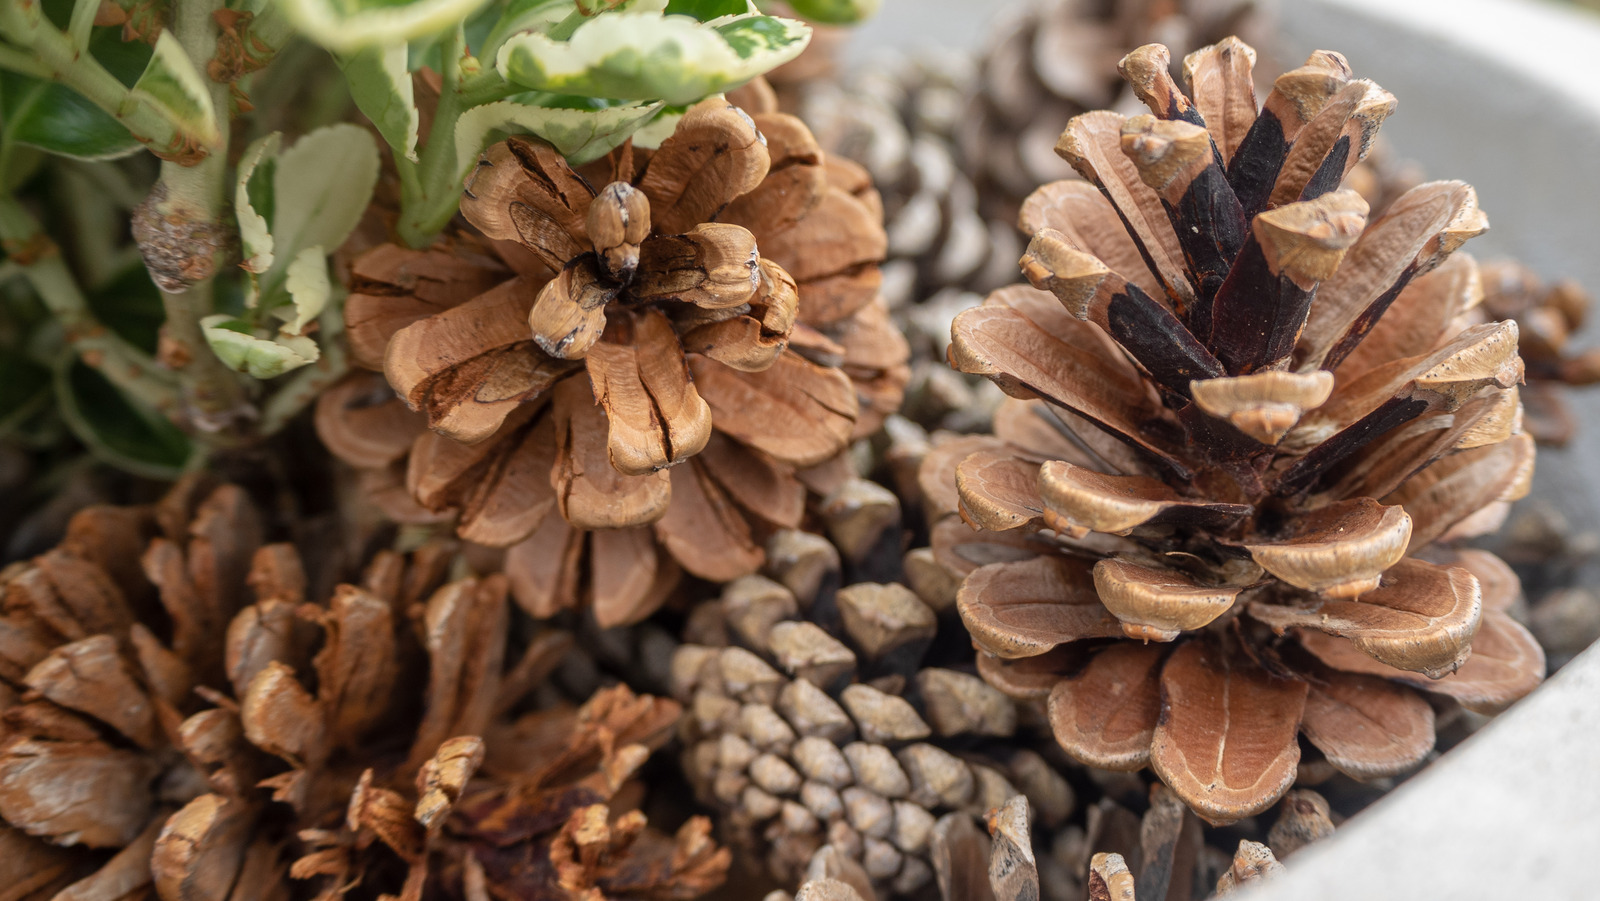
[172,84]
[262,358]
[643,56]
[380,83]
[307,282]
[345,26]
[652,133]
[255,237]
[321,187]
[834,12]
[523,15]
[580,135]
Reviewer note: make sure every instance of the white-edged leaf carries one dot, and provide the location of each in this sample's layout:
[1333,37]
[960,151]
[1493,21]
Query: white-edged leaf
[307,282]
[345,26]
[652,133]
[644,56]
[380,83]
[321,187]
[524,15]
[172,84]
[580,135]
[262,358]
[255,236]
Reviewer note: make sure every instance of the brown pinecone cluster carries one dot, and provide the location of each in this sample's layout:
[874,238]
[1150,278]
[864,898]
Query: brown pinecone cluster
[1547,316]
[162,734]
[1051,60]
[1247,413]
[621,372]
[816,720]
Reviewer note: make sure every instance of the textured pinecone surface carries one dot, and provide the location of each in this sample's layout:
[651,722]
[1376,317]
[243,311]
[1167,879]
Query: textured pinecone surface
[1244,410]
[620,383]
[823,724]
[164,733]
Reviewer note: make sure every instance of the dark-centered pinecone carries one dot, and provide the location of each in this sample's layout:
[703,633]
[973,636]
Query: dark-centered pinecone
[163,735]
[1249,411]
[826,722]
[622,382]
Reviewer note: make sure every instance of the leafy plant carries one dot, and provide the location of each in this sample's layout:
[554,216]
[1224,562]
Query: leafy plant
[237,219]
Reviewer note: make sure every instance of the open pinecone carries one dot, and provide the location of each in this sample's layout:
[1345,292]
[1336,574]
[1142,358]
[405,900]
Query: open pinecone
[160,734]
[821,723]
[1251,408]
[624,381]
[1547,316]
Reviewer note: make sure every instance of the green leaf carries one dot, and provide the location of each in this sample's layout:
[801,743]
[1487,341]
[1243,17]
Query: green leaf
[114,428]
[380,83]
[262,358]
[835,12]
[173,85]
[523,15]
[644,56]
[24,390]
[320,188]
[57,119]
[255,238]
[345,26]
[705,10]
[580,135]
[130,305]
[307,281]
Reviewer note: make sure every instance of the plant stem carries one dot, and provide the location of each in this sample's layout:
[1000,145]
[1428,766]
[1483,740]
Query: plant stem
[301,389]
[189,200]
[424,214]
[125,366]
[55,57]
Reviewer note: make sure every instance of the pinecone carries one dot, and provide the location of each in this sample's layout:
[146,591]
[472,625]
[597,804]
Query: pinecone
[1050,60]
[1234,457]
[1547,316]
[969,867]
[816,719]
[675,377]
[896,117]
[159,735]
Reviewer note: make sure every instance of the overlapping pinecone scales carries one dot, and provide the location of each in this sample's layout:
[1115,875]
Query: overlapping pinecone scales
[1050,60]
[164,736]
[896,116]
[1242,411]
[817,723]
[1547,316]
[969,865]
[619,384]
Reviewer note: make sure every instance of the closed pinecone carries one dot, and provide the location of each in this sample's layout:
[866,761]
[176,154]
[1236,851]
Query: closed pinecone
[820,723]
[621,384]
[970,866]
[896,117]
[1547,316]
[1050,60]
[1233,459]
[164,736]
